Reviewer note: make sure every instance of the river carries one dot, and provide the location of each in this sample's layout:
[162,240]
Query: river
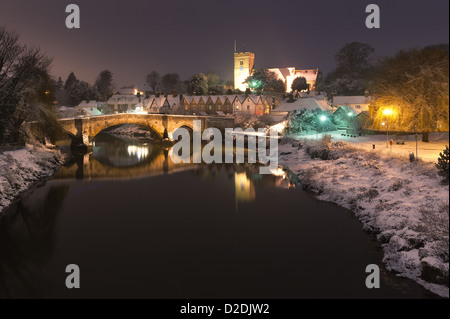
[139,226]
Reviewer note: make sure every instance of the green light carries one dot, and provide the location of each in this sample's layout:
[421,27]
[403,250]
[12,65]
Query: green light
[350,114]
[323,118]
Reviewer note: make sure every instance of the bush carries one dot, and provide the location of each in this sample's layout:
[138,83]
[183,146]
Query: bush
[443,164]
[412,157]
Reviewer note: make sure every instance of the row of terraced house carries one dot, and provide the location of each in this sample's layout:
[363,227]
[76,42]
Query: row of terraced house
[213,105]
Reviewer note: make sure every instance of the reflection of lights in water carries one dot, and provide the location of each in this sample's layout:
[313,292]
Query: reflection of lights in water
[278,172]
[245,191]
[139,151]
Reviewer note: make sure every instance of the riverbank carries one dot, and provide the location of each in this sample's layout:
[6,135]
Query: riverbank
[21,169]
[403,203]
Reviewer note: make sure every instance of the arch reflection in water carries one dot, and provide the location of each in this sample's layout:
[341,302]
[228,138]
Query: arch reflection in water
[123,152]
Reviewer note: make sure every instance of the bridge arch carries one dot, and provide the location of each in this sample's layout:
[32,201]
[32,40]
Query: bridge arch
[97,127]
[155,133]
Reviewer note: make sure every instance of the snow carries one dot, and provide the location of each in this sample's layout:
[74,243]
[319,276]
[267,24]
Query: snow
[20,169]
[428,152]
[403,203]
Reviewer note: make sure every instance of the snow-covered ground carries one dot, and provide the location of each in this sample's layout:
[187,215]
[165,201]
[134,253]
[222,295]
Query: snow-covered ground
[428,152]
[403,203]
[20,169]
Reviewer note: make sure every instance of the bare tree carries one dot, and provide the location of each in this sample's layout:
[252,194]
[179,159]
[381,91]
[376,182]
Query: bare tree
[153,80]
[22,71]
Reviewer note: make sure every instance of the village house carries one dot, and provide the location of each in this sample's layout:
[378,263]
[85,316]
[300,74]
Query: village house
[356,103]
[88,108]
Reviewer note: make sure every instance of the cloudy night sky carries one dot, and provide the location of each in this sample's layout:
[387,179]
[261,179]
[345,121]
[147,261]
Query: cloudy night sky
[132,38]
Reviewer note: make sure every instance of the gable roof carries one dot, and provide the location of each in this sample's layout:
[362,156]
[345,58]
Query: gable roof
[346,100]
[303,103]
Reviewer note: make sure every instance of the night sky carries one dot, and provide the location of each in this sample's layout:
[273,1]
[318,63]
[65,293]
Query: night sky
[132,38]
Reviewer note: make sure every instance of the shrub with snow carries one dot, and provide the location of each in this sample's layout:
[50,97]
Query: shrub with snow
[443,164]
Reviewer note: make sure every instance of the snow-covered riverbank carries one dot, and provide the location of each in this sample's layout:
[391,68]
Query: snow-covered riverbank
[403,203]
[20,169]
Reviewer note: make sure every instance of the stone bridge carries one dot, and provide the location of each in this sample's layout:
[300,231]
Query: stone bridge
[83,130]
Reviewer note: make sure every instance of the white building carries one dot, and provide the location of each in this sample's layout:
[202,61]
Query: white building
[310,103]
[357,103]
[88,108]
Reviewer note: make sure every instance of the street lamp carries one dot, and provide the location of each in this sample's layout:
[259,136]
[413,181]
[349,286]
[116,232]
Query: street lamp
[387,113]
[322,120]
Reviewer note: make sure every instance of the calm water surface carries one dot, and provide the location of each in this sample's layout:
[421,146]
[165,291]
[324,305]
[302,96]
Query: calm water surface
[139,226]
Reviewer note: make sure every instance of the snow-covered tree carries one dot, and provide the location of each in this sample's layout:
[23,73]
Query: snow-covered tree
[71,80]
[353,71]
[22,72]
[104,85]
[170,82]
[412,91]
[213,79]
[198,84]
[443,164]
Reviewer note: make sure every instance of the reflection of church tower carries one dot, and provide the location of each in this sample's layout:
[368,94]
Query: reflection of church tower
[243,67]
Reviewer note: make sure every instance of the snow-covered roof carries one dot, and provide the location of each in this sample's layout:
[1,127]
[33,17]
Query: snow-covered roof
[92,111]
[255,98]
[214,98]
[221,98]
[303,103]
[158,101]
[126,99]
[283,73]
[348,100]
[349,108]
[196,99]
[87,104]
[173,100]
[309,75]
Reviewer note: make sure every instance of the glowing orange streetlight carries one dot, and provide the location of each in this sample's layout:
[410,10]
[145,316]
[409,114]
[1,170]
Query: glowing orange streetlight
[387,113]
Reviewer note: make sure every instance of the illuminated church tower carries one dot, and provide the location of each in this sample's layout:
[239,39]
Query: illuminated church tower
[243,67]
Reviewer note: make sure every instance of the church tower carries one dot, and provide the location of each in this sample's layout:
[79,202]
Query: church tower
[243,67]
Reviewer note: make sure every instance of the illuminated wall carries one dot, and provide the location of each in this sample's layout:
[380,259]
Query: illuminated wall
[243,66]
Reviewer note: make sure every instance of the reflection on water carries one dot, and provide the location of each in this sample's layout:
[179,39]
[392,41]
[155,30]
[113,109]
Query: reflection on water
[27,241]
[245,190]
[140,226]
[141,152]
[119,152]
